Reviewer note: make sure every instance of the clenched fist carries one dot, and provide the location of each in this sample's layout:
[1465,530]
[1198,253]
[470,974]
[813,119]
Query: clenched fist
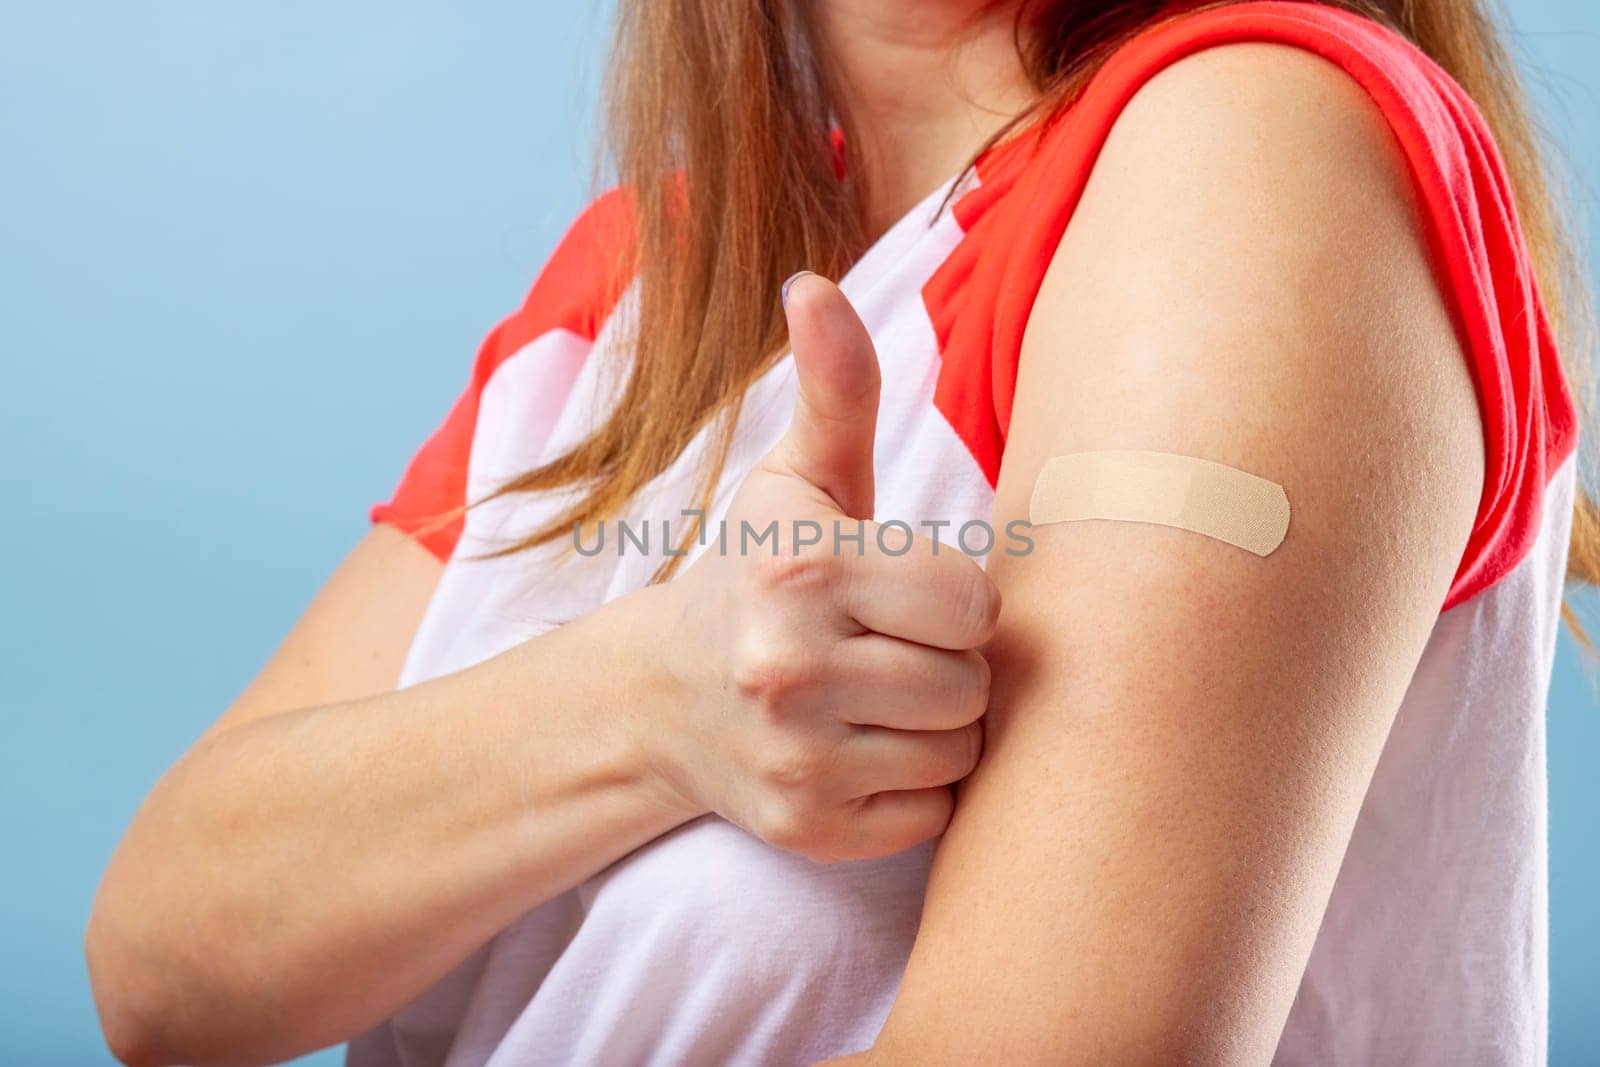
[826,696]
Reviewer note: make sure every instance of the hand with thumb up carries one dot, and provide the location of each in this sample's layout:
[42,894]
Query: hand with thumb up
[825,697]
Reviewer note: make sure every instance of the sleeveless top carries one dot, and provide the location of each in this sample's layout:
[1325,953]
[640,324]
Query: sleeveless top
[707,946]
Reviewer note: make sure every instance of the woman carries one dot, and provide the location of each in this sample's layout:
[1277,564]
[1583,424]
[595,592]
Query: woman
[1228,808]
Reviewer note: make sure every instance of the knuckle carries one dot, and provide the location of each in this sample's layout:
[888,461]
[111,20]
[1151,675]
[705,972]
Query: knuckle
[791,768]
[792,571]
[972,750]
[955,755]
[980,606]
[769,671]
[785,824]
[974,602]
[927,820]
[938,816]
[966,694]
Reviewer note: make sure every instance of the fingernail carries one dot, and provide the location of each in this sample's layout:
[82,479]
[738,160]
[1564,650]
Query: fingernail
[783,293]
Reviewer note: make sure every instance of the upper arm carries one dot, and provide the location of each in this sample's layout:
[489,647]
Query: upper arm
[1180,733]
[353,638]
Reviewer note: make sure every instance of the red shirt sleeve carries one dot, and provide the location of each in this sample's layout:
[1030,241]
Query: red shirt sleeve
[1482,262]
[576,291]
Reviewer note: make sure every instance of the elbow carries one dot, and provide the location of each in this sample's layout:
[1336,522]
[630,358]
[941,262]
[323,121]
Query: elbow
[127,1025]
[138,995]
[130,1045]
[159,1006]
[125,999]
[165,986]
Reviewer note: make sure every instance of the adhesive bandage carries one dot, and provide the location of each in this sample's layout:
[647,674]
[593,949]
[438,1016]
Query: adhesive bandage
[1163,488]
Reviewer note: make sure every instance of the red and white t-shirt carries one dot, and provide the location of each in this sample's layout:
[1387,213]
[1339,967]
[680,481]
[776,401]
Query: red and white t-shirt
[708,946]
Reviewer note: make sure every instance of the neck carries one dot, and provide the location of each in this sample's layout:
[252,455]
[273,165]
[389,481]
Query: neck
[925,83]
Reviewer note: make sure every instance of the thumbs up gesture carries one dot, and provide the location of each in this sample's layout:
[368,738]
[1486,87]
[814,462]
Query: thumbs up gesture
[825,695]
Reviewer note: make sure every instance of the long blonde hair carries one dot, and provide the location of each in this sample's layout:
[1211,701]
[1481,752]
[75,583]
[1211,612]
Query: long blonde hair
[731,99]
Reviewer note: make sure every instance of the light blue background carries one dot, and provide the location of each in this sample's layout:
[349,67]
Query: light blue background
[246,253]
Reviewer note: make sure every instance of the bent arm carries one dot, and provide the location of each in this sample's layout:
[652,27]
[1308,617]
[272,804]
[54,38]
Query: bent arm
[328,850]
[1180,733]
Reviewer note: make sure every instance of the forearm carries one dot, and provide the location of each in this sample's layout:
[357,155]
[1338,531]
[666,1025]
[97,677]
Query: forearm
[294,879]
